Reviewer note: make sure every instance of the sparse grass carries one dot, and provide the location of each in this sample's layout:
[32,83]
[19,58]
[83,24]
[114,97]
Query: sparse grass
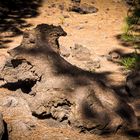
[131,20]
[132,35]
[132,62]
[125,28]
[128,62]
[128,37]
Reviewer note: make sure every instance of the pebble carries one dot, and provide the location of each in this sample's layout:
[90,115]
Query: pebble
[64,52]
[81,53]
[66,16]
[9,101]
[79,27]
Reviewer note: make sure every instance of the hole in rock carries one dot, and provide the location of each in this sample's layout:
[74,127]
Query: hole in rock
[16,62]
[42,115]
[25,86]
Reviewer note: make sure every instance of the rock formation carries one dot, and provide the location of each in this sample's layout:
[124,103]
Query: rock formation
[56,89]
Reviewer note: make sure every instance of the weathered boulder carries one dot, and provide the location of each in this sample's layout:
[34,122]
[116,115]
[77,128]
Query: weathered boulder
[62,91]
[18,120]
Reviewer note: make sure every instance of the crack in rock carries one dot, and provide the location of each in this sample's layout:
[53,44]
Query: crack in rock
[20,74]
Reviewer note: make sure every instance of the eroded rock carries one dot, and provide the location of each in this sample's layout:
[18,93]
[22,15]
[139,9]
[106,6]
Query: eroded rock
[9,102]
[1,126]
[81,53]
[21,129]
[113,56]
[64,51]
[83,9]
[63,92]
[133,84]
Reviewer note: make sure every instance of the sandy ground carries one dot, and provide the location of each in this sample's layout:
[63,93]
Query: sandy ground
[97,32]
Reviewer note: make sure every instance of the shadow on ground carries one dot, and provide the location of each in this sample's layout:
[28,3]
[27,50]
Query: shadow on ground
[130,43]
[12,17]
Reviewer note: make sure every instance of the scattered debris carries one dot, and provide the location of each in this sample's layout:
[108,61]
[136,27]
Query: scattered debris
[83,9]
[80,53]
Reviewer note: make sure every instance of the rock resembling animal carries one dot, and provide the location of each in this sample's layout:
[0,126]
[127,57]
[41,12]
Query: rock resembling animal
[60,90]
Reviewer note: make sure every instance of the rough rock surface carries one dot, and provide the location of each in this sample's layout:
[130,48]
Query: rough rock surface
[1,126]
[80,53]
[83,9]
[132,84]
[58,90]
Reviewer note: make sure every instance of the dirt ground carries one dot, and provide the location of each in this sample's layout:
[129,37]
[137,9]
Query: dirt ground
[97,32]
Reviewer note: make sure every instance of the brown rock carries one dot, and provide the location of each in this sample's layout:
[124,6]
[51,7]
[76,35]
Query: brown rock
[80,52]
[83,9]
[64,92]
[1,126]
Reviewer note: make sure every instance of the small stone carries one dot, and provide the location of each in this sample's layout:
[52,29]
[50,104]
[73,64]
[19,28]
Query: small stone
[113,56]
[93,64]
[66,16]
[2,82]
[81,53]
[64,52]
[66,24]
[61,7]
[84,9]
[79,27]
[32,93]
